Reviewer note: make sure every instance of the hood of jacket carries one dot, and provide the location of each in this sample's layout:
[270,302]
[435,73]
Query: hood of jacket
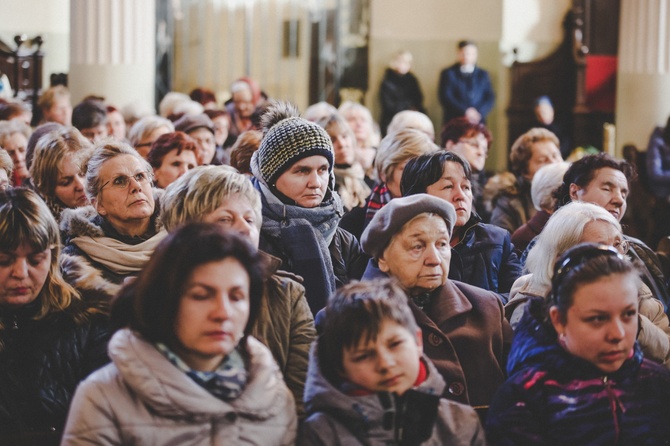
[170,393]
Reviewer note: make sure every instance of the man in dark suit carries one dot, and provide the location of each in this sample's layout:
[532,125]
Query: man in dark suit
[465,89]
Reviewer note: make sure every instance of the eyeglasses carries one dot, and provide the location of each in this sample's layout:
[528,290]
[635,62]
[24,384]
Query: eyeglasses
[622,246]
[580,256]
[122,181]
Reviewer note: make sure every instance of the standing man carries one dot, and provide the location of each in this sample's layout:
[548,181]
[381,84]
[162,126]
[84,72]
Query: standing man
[465,89]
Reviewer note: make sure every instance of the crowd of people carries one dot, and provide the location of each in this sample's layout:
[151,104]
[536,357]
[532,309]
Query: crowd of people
[242,273]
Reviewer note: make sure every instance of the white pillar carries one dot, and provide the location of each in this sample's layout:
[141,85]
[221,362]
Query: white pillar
[112,50]
[643,77]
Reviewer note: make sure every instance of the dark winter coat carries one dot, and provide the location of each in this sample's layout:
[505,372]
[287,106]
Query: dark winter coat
[399,92]
[459,91]
[553,397]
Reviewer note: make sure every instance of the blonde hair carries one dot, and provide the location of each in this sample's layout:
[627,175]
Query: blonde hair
[9,128]
[522,149]
[201,191]
[6,163]
[399,147]
[49,97]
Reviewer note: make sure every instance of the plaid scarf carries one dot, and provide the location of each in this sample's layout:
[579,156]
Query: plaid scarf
[379,197]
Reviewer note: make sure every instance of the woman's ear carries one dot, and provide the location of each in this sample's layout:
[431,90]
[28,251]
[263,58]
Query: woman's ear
[573,191]
[557,320]
[98,207]
[449,145]
[383,266]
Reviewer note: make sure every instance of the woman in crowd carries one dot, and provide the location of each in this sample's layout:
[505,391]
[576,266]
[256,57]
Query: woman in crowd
[395,150]
[464,330]
[577,376]
[171,156]
[6,169]
[400,89]
[218,194]
[50,338]
[349,175]
[14,139]
[367,137]
[113,238]
[243,149]
[481,254]
[147,130]
[572,224]
[116,125]
[471,141]
[410,119]
[221,121]
[56,169]
[56,106]
[293,170]
[186,368]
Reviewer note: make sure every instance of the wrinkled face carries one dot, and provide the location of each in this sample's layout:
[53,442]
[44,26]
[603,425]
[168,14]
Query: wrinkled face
[474,149]
[468,55]
[70,184]
[16,148]
[4,180]
[144,146]
[238,214]
[608,189]
[206,145]
[393,183]
[306,181]
[212,315]
[360,125]
[543,153]
[60,111]
[221,129]
[456,189]
[601,324]
[604,233]
[23,273]
[125,206]
[418,256]
[389,363]
[116,125]
[343,144]
[244,104]
[174,165]
[95,134]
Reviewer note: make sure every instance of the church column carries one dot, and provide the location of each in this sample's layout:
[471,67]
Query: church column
[643,77]
[112,50]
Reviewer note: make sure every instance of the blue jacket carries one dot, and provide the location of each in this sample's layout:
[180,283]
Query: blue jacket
[485,257]
[658,164]
[459,91]
[553,397]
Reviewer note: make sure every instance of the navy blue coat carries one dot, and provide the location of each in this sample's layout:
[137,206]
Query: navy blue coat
[459,91]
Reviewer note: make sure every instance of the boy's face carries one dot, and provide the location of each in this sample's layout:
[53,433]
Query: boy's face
[388,364]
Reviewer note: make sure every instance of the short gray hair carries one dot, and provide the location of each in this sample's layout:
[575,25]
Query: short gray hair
[8,128]
[564,230]
[201,191]
[412,119]
[103,152]
[145,126]
[546,180]
[399,147]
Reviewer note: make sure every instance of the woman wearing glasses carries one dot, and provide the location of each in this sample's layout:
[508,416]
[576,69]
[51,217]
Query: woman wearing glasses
[580,222]
[114,237]
[577,375]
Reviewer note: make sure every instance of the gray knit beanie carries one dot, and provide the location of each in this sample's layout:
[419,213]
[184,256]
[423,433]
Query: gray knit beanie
[287,139]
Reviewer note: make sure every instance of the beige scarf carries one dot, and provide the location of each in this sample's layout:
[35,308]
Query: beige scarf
[117,256]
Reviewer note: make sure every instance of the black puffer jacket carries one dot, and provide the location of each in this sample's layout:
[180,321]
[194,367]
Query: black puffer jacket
[42,363]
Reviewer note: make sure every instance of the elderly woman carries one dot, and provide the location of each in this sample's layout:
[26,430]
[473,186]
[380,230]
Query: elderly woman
[410,119]
[6,169]
[186,369]
[171,156]
[464,331]
[481,255]
[113,238]
[293,170]
[577,376]
[395,150]
[349,175]
[14,139]
[56,169]
[218,194]
[50,338]
[367,137]
[575,223]
[147,130]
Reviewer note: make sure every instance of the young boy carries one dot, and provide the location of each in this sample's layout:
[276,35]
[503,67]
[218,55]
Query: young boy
[368,381]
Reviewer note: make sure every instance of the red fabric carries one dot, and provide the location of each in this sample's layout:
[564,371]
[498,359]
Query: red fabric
[601,82]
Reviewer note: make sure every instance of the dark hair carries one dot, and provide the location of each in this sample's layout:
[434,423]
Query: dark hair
[583,264]
[356,313]
[582,172]
[243,149]
[89,114]
[424,170]
[463,43]
[8,110]
[39,132]
[216,113]
[203,96]
[168,142]
[154,297]
[458,128]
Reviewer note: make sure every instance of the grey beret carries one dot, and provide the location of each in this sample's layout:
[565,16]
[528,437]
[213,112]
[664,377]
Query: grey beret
[391,218]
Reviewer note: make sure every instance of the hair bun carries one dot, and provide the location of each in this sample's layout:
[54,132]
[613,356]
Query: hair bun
[276,112]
